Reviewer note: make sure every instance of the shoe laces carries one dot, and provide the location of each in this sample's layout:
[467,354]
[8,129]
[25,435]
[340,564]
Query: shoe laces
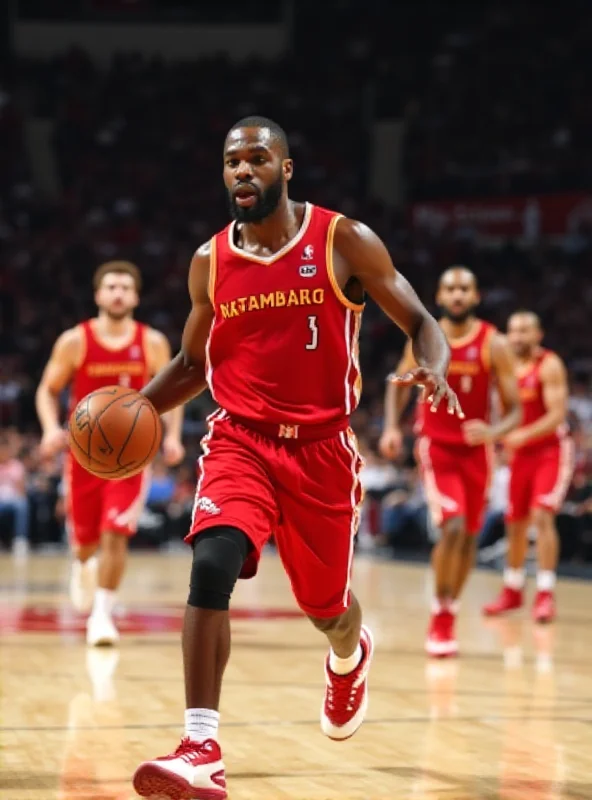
[342,689]
[188,749]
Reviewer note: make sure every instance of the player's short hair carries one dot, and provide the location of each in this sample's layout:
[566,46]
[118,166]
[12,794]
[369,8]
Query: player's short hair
[278,134]
[460,267]
[120,268]
[525,312]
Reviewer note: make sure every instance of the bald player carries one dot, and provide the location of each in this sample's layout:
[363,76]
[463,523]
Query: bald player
[455,454]
[542,460]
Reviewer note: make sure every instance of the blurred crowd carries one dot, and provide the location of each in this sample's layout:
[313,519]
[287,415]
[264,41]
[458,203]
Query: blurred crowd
[133,171]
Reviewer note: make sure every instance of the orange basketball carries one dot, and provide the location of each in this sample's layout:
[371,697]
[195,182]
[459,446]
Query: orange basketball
[114,432]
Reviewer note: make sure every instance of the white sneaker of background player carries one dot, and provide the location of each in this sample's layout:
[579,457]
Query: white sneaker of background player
[83,583]
[101,630]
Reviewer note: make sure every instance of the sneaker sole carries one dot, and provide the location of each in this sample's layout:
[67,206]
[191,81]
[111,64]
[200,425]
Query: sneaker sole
[349,729]
[490,613]
[151,780]
[441,650]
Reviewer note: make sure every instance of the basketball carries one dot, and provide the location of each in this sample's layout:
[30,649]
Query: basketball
[114,432]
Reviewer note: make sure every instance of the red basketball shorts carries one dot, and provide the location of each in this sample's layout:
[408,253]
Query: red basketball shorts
[94,505]
[540,478]
[305,493]
[456,481]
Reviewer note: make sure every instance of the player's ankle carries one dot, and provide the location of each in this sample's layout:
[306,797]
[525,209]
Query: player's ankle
[546,580]
[515,578]
[343,666]
[441,604]
[104,602]
[201,724]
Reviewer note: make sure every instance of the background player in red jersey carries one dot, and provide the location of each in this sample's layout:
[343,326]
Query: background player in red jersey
[454,456]
[111,348]
[542,461]
[276,305]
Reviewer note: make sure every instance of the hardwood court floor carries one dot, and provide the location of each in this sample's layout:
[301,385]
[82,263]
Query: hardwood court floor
[511,719]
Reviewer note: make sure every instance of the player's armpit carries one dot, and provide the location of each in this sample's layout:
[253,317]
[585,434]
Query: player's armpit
[185,376]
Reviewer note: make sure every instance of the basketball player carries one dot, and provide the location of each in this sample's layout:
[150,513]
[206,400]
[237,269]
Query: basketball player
[111,348]
[277,300]
[454,455]
[542,461]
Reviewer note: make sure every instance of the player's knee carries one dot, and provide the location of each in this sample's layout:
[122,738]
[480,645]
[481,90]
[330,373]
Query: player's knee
[542,519]
[218,558]
[454,530]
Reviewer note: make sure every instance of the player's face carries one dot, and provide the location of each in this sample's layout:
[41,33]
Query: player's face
[457,295]
[117,295]
[255,174]
[524,335]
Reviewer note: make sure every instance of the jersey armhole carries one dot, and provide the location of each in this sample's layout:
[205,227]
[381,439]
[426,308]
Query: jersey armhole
[84,334]
[213,270]
[331,272]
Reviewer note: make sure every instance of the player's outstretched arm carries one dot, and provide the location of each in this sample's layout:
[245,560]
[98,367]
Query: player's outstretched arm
[359,253]
[555,397]
[56,376]
[185,376]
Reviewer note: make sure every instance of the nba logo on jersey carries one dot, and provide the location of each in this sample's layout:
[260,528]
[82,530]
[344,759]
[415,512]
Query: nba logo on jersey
[308,252]
[135,351]
[307,270]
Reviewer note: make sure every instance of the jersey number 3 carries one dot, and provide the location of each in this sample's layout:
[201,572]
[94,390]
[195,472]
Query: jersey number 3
[314,339]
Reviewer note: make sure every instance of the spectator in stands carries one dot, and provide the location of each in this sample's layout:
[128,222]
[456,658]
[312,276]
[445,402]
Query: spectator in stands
[13,497]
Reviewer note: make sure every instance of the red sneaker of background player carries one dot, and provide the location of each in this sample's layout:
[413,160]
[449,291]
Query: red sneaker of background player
[346,696]
[508,600]
[441,639]
[543,609]
[195,771]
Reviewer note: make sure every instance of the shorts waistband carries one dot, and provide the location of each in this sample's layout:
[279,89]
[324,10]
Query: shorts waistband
[287,430]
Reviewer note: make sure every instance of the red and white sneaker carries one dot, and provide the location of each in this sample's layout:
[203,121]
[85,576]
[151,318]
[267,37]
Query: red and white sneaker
[544,609]
[195,771]
[346,696]
[507,600]
[441,639]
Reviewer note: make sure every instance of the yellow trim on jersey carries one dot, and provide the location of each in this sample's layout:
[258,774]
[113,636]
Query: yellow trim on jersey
[469,337]
[213,270]
[486,348]
[330,270]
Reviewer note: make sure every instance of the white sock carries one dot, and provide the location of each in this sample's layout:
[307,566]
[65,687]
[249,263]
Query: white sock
[201,724]
[445,605]
[514,578]
[546,580]
[104,602]
[343,666]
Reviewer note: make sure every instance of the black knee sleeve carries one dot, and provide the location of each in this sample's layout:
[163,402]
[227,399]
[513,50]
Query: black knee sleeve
[218,557]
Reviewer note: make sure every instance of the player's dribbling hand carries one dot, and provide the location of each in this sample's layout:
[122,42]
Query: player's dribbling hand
[391,443]
[172,451]
[476,431]
[53,442]
[435,389]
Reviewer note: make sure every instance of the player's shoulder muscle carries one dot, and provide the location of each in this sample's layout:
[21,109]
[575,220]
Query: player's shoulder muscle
[69,346]
[202,273]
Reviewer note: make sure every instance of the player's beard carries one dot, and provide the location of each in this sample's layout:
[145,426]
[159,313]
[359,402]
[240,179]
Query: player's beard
[457,317]
[117,316]
[266,204]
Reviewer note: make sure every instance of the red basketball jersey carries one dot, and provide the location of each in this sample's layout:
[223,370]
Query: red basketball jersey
[530,386]
[283,347]
[103,366]
[470,376]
